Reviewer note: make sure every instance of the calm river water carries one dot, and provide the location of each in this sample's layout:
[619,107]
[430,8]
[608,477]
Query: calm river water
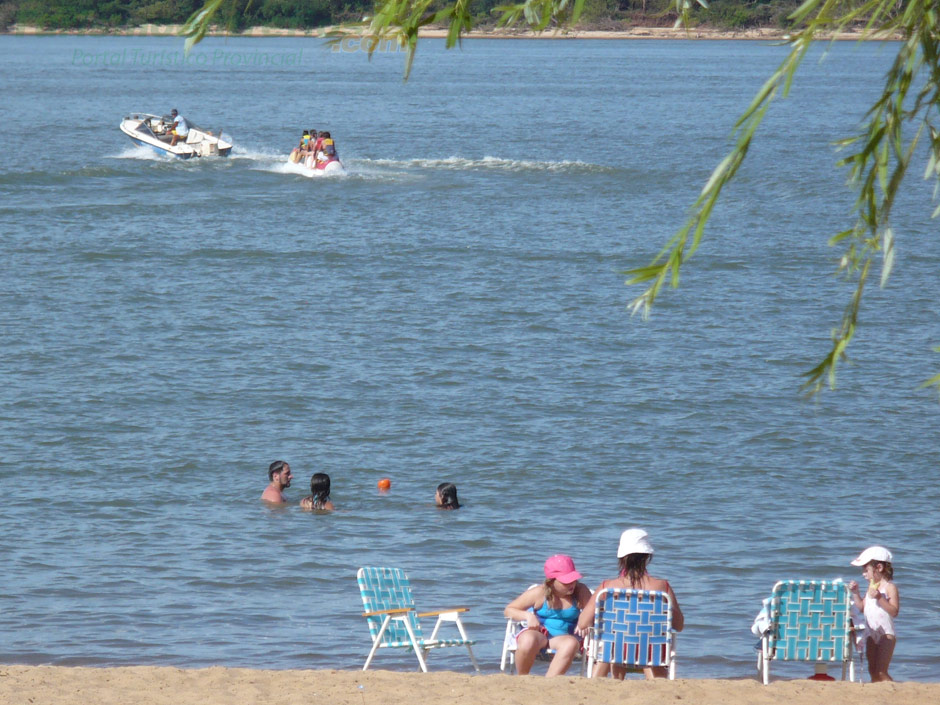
[453,309]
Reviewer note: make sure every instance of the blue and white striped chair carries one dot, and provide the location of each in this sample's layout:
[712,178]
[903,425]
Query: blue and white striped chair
[809,621]
[633,628]
[393,622]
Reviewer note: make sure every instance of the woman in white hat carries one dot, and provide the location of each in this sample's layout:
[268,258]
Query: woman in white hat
[880,605]
[635,552]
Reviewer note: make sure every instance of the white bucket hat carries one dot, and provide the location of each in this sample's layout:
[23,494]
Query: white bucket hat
[873,553]
[634,541]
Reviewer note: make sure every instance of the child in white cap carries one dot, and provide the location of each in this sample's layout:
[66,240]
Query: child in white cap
[880,605]
[634,552]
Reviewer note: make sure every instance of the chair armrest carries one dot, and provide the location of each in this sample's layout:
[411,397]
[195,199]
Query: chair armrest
[437,612]
[398,610]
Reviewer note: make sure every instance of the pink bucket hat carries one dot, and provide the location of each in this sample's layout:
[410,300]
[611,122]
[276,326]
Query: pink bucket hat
[561,568]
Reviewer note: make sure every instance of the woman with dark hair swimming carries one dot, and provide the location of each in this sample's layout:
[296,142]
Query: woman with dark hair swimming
[319,493]
[446,496]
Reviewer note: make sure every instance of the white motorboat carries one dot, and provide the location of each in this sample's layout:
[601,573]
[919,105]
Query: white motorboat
[155,132]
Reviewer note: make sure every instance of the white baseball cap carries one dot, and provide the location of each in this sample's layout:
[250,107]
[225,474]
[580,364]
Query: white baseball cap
[873,553]
[634,541]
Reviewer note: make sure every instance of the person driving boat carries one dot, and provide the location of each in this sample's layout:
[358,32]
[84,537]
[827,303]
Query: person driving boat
[179,128]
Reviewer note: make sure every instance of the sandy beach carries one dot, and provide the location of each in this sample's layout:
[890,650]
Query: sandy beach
[144,685]
[706,33]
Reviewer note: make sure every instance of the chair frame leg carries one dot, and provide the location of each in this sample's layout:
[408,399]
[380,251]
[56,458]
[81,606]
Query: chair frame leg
[672,659]
[463,635]
[506,655]
[414,642]
[507,659]
[418,649]
[377,641]
[507,662]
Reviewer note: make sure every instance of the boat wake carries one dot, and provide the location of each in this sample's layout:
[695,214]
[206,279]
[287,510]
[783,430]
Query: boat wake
[491,164]
[260,159]
[145,154]
[256,154]
[416,169]
[278,164]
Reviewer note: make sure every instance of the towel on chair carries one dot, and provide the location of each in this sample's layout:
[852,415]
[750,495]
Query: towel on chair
[762,621]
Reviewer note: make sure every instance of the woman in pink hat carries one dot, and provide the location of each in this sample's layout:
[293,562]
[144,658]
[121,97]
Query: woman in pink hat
[635,552]
[880,605]
[550,611]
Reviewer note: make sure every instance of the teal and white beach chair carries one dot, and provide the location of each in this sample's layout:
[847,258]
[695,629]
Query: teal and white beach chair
[633,628]
[810,622]
[393,621]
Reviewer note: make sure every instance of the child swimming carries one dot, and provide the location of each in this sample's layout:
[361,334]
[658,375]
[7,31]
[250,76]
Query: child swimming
[319,493]
[445,497]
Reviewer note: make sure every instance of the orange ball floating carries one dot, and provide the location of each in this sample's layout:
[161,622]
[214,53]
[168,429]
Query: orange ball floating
[385,484]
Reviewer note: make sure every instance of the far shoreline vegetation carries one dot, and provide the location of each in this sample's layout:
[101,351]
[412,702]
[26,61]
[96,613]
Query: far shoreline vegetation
[124,16]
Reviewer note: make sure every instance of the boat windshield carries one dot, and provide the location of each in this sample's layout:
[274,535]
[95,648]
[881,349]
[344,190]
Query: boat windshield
[145,128]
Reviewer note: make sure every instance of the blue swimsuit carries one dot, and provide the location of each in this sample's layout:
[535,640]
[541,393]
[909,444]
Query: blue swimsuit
[558,622]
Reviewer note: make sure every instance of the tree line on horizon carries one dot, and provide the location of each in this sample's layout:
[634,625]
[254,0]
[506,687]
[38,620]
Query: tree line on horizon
[310,14]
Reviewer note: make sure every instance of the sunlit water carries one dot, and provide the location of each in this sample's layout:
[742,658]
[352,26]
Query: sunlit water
[452,308]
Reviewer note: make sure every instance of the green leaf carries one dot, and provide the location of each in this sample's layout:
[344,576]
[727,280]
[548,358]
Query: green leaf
[932,382]
[578,9]
[195,28]
[888,259]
